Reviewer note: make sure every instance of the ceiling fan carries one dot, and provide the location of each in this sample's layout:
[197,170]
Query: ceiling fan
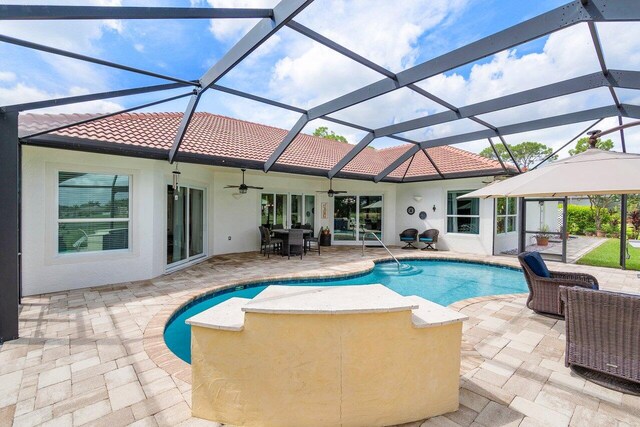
[242,188]
[331,191]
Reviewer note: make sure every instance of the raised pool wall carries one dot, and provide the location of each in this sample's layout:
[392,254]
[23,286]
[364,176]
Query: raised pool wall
[326,370]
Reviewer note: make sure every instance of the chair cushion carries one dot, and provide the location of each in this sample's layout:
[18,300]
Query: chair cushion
[426,239]
[408,239]
[537,264]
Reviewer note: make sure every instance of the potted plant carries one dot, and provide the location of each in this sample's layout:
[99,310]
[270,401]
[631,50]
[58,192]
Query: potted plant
[542,237]
[589,231]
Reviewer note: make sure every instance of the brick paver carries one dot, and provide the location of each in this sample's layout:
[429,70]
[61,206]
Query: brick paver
[96,356]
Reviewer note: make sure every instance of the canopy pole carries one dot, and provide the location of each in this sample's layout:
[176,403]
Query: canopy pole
[522,209]
[565,232]
[623,232]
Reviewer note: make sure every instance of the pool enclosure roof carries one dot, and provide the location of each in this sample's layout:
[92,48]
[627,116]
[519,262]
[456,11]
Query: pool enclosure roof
[271,21]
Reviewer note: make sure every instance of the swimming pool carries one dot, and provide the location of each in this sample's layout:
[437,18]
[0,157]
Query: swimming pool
[440,281]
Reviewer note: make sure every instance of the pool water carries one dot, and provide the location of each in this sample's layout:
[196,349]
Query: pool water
[443,282]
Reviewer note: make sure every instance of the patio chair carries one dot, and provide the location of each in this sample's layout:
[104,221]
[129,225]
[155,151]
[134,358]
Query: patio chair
[271,244]
[544,297]
[429,238]
[409,236]
[309,239]
[296,240]
[263,240]
[603,343]
[278,226]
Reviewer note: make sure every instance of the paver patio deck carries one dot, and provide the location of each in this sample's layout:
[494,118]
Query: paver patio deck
[93,357]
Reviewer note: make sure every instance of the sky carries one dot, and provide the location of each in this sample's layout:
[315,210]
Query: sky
[295,70]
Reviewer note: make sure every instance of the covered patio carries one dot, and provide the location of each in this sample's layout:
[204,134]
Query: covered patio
[96,356]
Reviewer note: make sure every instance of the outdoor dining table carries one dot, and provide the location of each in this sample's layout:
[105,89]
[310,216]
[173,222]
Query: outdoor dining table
[283,233]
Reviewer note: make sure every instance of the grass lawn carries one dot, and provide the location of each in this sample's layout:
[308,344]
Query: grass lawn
[608,255]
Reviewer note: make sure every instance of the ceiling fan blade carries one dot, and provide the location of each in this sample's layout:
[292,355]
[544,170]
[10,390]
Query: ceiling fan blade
[232,186]
[255,188]
[339,192]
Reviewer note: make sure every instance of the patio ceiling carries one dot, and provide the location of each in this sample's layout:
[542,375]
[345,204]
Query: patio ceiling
[271,21]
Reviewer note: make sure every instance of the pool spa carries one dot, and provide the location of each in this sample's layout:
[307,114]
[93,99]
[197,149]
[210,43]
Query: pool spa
[441,281]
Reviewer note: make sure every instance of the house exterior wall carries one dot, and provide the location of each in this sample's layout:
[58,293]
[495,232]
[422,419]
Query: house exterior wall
[231,220]
[434,193]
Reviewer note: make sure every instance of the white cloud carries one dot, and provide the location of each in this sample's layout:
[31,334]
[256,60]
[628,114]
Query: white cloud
[230,30]
[22,93]
[76,36]
[7,76]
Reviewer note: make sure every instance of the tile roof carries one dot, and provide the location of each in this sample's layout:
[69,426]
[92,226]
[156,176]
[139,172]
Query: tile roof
[224,137]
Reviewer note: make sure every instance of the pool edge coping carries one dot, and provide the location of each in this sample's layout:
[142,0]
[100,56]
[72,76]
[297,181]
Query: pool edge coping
[158,351]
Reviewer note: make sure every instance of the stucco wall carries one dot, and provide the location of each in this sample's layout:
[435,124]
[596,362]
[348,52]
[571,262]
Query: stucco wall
[237,217]
[358,370]
[232,220]
[435,193]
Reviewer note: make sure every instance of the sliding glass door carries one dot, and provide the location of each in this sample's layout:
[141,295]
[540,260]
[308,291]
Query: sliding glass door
[345,226]
[288,210]
[185,225]
[352,213]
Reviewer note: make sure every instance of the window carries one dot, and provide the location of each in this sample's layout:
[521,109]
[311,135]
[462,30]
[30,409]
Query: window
[506,215]
[463,216]
[93,212]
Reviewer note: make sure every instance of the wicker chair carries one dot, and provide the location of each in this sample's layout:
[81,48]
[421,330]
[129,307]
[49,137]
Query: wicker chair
[271,244]
[296,239]
[309,240]
[544,297]
[263,240]
[602,336]
[409,236]
[429,238]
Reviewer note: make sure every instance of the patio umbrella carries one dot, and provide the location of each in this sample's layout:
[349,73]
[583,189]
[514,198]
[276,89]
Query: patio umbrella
[374,205]
[592,172]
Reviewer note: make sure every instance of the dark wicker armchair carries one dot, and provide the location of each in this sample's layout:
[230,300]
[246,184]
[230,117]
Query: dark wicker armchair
[602,336]
[409,236]
[429,238]
[544,297]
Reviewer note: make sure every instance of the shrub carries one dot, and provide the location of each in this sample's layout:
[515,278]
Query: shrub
[634,218]
[580,218]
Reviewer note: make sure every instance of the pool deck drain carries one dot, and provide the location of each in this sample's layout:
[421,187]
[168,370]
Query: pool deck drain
[96,356]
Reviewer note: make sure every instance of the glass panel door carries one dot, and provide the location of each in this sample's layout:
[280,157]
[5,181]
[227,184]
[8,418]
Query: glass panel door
[370,216]
[266,205]
[176,225]
[344,218]
[196,222]
[281,210]
[185,224]
[309,210]
[297,211]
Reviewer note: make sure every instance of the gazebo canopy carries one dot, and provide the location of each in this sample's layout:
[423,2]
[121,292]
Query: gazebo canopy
[594,172]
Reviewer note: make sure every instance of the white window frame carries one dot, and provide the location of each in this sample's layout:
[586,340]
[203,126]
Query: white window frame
[507,215]
[449,215]
[59,221]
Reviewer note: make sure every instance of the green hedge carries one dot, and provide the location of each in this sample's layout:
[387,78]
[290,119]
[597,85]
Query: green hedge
[583,218]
